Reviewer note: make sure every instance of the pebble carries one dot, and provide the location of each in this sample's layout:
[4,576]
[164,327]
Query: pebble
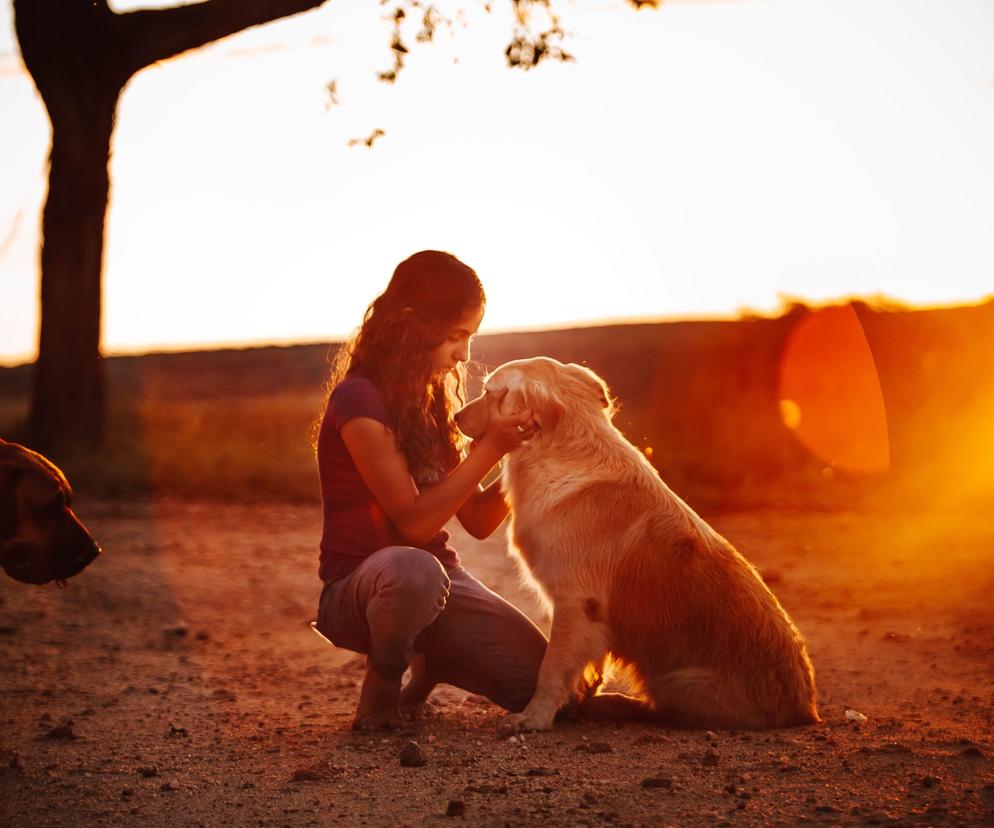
[411,756]
[710,758]
[456,807]
[62,731]
[973,752]
[148,772]
[657,782]
[168,787]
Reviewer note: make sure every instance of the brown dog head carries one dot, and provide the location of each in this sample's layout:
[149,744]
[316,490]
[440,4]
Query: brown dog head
[41,540]
[557,394]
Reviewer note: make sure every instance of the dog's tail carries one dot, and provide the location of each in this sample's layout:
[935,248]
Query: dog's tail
[620,676]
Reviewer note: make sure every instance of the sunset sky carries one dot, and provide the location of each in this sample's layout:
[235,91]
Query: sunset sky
[705,159]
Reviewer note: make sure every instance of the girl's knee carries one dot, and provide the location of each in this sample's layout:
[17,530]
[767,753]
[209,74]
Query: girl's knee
[414,577]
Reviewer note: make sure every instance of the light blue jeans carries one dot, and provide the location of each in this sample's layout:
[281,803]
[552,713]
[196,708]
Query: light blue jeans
[401,600]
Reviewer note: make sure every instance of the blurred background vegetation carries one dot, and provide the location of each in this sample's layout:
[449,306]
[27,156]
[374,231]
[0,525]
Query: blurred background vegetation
[702,399]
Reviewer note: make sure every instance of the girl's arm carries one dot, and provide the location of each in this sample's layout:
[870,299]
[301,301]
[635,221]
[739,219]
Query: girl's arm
[484,511]
[420,515]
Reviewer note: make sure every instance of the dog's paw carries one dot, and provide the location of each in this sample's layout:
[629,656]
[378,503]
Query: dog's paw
[510,725]
[521,722]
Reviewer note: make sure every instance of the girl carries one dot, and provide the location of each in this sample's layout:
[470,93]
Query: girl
[392,474]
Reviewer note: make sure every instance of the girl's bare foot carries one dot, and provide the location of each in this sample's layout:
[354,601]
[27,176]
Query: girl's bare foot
[420,710]
[379,700]
[414,695]
[388,720]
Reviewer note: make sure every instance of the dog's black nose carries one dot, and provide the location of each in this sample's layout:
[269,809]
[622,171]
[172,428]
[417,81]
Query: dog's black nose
[72,565]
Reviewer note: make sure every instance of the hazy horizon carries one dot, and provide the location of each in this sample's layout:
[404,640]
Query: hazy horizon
[876,302]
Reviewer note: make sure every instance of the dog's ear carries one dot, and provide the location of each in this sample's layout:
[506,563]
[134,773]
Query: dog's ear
[596,385]
[546,405]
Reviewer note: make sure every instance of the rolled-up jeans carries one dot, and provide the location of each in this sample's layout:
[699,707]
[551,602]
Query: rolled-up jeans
[401,600]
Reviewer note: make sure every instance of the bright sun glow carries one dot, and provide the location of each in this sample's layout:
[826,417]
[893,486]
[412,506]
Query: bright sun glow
[701,160]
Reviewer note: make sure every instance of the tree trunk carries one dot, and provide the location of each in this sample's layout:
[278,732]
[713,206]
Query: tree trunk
[68,400]
[80,55]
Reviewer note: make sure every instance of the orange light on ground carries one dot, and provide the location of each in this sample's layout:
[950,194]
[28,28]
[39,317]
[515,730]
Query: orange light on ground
[830,394]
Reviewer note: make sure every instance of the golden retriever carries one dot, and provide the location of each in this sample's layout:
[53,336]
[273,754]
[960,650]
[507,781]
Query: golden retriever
[632,574]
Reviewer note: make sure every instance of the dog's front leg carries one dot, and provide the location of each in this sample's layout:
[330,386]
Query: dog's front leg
[574,642]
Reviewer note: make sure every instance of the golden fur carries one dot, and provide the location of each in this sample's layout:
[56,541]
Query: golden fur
[632,573]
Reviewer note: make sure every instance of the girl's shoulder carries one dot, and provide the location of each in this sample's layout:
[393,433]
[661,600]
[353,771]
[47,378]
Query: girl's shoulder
[358,396]
[354,383]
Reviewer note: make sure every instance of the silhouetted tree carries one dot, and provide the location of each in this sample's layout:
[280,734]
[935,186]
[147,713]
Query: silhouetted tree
[81,54]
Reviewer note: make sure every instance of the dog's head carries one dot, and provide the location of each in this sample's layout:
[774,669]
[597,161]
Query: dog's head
[41,540]
[558,396]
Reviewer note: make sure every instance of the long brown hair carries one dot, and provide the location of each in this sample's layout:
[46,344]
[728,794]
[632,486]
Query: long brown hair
[427,295]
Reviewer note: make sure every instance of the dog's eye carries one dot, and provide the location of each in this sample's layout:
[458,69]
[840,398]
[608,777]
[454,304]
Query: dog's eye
[53,508]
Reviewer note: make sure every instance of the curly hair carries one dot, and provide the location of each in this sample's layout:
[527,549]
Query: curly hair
[427,295]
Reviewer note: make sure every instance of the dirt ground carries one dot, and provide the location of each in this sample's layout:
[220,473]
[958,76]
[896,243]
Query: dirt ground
[176,682]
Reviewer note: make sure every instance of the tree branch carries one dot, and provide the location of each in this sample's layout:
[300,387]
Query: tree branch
[150,35]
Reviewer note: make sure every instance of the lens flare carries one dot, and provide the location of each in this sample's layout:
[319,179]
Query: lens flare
[829,392]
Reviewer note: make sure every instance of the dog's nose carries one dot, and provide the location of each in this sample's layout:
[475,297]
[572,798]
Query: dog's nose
[87,556]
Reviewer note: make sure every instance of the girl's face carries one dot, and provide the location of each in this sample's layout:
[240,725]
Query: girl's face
[455,348]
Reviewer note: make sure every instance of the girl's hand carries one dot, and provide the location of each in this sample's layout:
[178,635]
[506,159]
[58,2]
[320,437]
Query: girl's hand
[505,432]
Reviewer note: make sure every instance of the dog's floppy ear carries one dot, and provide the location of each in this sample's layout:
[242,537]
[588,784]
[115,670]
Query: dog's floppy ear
[596,385]
[542,399]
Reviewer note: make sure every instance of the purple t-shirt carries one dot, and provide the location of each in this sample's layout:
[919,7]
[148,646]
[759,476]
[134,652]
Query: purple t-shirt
[355,524]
